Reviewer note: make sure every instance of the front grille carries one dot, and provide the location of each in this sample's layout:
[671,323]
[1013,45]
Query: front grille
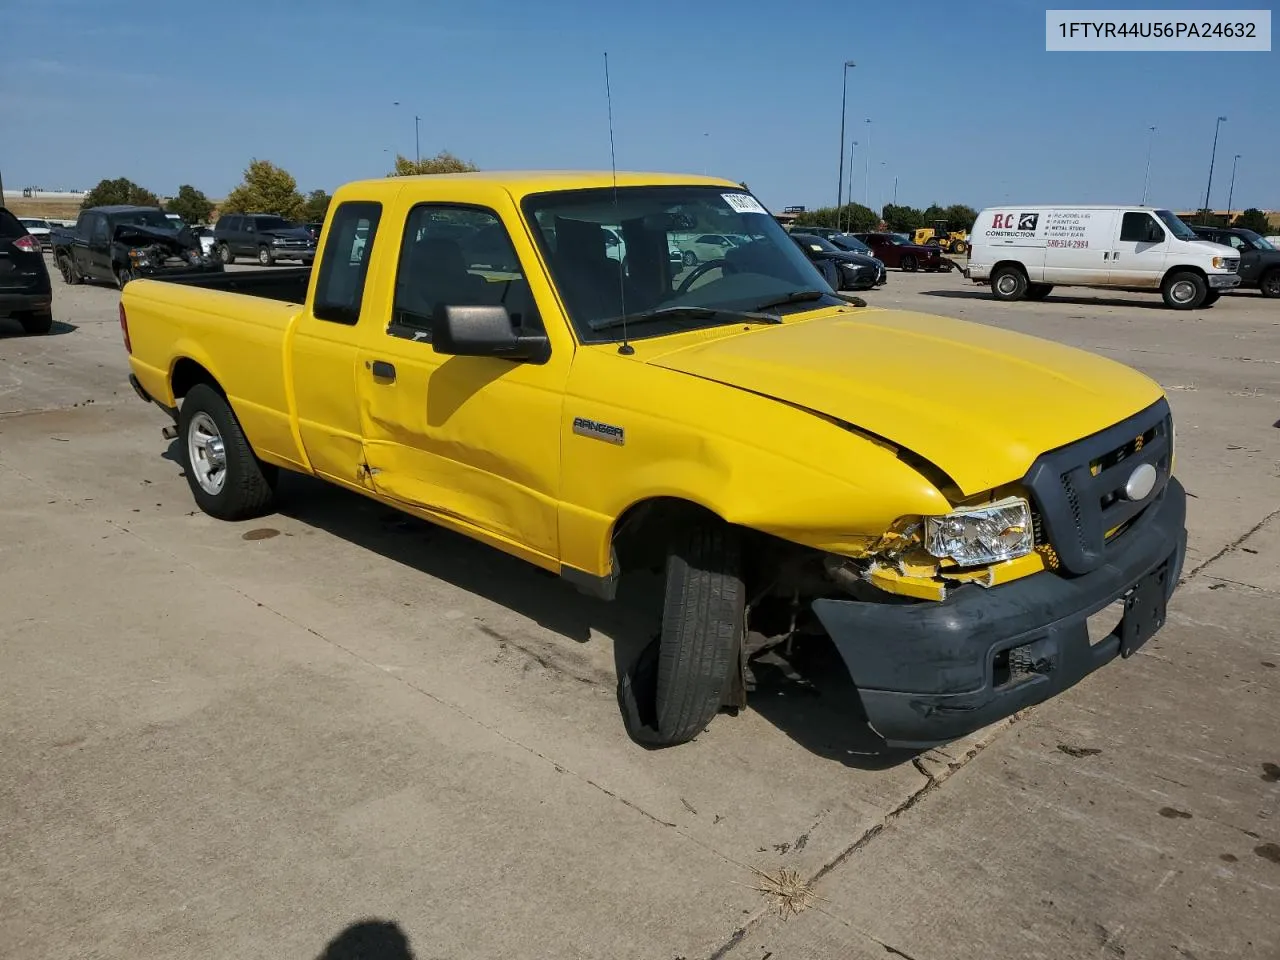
[1079,490]
[1231,263]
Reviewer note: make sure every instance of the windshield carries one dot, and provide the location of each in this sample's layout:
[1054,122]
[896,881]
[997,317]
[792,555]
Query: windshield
[812,240]
[900,238]
[1262,243]
[28,222]
[852,244]
[1176,226]
[762,266]
[272,223]
[147,218]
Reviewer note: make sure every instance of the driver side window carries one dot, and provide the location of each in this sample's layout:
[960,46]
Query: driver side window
[457,256]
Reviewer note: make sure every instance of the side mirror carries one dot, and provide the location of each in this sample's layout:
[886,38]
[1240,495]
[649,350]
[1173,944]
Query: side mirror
[484,331]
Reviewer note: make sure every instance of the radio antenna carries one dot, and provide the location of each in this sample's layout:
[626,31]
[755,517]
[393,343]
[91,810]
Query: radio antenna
[626,349]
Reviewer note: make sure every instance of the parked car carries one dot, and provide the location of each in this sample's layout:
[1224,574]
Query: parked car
[705,247]
[1024,251]
[1259,258]
[799,465]
[25,292]
[263,236]
[120,243]
[853,271]
[897,250]
[40,229]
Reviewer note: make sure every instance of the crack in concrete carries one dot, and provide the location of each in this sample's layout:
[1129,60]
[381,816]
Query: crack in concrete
[1187,575]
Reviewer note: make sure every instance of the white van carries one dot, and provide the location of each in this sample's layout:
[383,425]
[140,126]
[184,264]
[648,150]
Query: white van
[1024,252]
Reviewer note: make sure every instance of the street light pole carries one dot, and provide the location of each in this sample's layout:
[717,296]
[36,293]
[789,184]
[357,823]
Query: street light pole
[1212,156]
[895,189]
[844,100]
[417,149]
[1146,177]
[866,175]
[1231,191]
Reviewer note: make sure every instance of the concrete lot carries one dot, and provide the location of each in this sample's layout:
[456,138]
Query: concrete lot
[223,740]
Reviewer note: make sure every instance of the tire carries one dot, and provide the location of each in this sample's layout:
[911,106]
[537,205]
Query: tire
[1210,298]
[908,263]
[225,254]
[70,275]
[689,258]
[680,681]
[1038,291]
[1184,290]
[265,257]
[241,486]
[959,248]
[35,324]
[123,276]
[1009,283]
[1270,283]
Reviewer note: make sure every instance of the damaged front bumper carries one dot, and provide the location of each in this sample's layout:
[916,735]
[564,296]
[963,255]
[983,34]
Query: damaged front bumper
[930,672]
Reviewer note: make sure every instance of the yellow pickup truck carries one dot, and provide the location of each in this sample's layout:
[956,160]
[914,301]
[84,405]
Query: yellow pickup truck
[516,356]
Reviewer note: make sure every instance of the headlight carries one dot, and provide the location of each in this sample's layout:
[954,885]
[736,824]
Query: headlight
[1219,263]
[978,535]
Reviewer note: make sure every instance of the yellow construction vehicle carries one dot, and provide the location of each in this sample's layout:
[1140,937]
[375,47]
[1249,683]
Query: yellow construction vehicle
[950,241]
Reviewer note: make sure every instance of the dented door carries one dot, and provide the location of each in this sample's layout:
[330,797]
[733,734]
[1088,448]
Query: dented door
[474,440]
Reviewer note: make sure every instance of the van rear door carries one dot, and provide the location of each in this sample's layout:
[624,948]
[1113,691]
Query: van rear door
[1078,245]
[1138,254]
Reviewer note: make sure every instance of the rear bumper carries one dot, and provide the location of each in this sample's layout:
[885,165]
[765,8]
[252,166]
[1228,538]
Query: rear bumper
[928,673]
[34,301]
[1224,281]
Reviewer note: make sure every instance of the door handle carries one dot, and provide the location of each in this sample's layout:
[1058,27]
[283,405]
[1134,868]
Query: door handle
[383,370]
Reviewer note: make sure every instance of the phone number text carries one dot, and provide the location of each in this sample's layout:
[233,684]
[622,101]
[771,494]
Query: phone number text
[1075,244]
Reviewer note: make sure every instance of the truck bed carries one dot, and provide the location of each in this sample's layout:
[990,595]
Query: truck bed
[288,284]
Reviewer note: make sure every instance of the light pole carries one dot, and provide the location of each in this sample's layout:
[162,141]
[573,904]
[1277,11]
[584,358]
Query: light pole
[417,149]
[866,174]
[1231,191]
[1146,177]
[895,189]
[1212,156]
[844,100]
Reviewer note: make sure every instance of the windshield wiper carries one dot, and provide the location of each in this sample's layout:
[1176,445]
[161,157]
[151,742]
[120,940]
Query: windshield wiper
[689,311]
[795,296]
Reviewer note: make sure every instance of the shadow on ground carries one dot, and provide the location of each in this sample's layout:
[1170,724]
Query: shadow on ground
[1152,301]
[369,940]
[10,327]
[805,692]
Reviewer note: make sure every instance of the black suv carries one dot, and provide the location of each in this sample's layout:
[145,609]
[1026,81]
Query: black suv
[25,291]
[1259,260]
[262,235]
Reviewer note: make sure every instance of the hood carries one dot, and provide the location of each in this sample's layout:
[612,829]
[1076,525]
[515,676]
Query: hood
[136,233]
[1211,249]
[978,402]
[857,259]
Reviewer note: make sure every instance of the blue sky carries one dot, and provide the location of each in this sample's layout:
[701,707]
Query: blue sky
[966,105]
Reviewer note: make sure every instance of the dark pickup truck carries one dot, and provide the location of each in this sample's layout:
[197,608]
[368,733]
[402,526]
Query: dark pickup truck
[119,243]
[1259,260]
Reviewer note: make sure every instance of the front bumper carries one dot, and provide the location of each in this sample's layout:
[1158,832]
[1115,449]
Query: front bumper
[928,673]
[1224,281]
[305,254]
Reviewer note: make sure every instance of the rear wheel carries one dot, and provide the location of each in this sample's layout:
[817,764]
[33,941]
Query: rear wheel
[680,681]
[909,262]
[1184,290]
[36,323]
[959,248]
[689,258]
[225,254]
[226,478]
[265,256]
[70,275]
[1038,291]
[1270,283]
[1009,283]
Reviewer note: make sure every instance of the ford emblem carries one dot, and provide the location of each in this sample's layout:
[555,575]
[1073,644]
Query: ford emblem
[1140,483]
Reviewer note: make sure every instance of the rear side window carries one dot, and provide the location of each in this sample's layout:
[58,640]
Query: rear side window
[10,228]
[344,264]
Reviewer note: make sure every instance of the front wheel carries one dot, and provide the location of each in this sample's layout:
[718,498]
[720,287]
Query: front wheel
[681,680]
[1184,290]
[1038,291]
[689,258]
[1270,283]
[909,263]
[959,248]
[1210,298]
[265,256]
[227,479]
[1008,283]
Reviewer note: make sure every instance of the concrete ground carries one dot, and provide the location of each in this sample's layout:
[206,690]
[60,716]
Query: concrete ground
[224,740]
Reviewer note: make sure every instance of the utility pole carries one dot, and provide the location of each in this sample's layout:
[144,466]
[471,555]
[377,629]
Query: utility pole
[1146,177]
[1232,190]
[844,100]
[1213,154]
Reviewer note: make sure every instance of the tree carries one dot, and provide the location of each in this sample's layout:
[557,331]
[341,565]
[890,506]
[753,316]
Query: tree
[961,217]
[1252,219]
[852,217]
[1207,218]
[442,162]
[902,219]
[266,189]
[120,190]
[191,205]
[317,205]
